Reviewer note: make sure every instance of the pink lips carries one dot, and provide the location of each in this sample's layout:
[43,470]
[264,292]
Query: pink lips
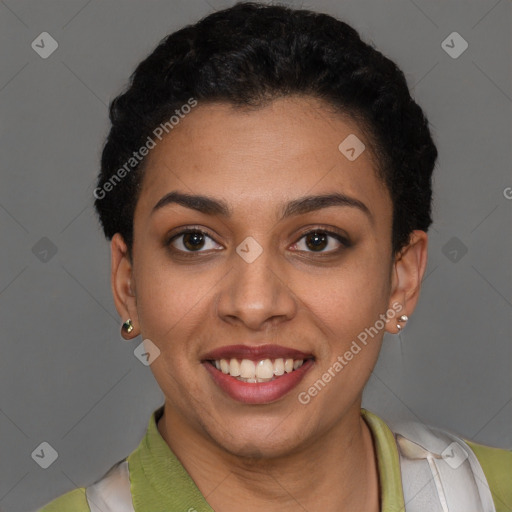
[258,392]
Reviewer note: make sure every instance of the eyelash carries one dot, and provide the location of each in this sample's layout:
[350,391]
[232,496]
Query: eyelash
[345,243]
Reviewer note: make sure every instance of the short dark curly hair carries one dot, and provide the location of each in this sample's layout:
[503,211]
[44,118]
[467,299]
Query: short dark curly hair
[248,55]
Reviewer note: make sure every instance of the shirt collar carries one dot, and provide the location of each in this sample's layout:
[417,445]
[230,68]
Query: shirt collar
[388,463]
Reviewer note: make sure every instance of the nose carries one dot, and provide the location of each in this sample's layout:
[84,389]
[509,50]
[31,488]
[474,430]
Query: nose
[256,294]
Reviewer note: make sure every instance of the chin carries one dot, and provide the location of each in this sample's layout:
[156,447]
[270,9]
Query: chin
[261,439]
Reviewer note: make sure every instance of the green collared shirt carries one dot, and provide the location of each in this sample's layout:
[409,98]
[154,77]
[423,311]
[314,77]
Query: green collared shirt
[160,482]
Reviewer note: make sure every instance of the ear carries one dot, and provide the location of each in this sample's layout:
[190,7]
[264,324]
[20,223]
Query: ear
[407,273]
[123,286]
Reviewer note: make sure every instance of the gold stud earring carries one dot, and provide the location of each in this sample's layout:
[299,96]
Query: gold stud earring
[128,326]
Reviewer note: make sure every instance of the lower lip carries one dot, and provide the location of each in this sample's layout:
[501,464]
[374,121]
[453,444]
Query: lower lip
[258,392]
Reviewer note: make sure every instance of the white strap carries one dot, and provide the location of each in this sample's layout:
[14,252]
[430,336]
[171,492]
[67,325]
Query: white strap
[112,492]
[440,472]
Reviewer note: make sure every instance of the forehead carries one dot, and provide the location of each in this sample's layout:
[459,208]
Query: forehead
[291,147]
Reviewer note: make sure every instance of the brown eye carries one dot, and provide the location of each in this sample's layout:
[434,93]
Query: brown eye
[316,241]
[193,241]
[321,241]
[190,241]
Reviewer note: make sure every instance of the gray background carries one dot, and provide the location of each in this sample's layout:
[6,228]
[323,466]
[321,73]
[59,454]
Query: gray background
[68,378]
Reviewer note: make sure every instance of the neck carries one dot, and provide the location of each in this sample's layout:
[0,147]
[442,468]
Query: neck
[316,477]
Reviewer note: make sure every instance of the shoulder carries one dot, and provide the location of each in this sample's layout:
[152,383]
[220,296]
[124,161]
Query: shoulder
[497,466]
[495,463]
[74,500]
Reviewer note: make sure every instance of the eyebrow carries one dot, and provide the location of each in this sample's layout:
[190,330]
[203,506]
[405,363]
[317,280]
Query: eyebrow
[302,205]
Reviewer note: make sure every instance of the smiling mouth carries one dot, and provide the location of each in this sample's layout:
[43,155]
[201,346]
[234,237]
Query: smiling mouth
[263,370]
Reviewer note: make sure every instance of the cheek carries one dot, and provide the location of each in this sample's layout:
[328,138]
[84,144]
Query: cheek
[172,311]
[171,305]
[346,308]
[346,298]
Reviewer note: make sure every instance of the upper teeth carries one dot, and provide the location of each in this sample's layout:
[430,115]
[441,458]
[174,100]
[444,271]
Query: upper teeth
[263,370]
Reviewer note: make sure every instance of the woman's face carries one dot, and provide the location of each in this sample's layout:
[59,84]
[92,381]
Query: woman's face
[256,278]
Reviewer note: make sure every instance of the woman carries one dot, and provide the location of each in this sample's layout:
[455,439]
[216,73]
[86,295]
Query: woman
[266,187]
